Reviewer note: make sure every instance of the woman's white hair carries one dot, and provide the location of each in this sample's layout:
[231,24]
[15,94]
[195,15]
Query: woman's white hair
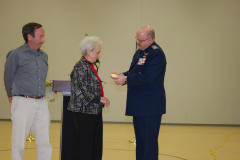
[89,42]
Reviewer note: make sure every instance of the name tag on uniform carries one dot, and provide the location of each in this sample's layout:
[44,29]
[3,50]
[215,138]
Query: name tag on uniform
[141,61]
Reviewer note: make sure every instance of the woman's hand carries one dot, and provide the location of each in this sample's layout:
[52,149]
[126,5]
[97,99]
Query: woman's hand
[105,101]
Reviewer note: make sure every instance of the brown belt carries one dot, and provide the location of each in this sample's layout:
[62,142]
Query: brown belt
[38,97]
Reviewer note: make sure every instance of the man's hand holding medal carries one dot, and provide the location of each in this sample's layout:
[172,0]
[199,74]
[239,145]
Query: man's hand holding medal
[119,78]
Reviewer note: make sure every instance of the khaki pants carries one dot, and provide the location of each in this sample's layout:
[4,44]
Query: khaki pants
[29,113]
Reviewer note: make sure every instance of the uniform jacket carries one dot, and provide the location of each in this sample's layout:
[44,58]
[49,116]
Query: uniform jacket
[145,83]
[85,89]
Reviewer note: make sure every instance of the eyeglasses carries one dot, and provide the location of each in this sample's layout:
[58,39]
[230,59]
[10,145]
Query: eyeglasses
[140,41]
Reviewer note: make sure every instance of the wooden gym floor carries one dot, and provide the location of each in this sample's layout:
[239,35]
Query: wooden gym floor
[176,142]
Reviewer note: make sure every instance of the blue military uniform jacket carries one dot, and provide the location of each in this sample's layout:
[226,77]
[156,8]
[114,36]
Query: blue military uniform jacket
[145,80]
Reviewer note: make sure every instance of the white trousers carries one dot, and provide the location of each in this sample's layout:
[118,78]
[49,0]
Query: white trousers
[29,113]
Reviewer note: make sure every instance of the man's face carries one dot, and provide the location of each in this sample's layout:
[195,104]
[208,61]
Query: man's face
[36,41]
[143,40]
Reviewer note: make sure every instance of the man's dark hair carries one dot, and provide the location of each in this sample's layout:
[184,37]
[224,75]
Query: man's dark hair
[29,29]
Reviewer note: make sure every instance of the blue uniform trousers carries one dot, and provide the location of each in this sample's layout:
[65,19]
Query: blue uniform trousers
[146,134]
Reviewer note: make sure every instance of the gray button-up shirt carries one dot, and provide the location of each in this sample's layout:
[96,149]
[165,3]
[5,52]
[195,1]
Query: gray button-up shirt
[25,72]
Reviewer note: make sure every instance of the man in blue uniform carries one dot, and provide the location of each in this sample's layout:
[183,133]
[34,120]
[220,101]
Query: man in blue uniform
[146,100]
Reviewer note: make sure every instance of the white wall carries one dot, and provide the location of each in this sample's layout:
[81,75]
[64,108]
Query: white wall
[200,40]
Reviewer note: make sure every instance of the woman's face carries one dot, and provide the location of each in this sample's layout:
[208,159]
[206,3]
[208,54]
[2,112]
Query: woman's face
[94,54]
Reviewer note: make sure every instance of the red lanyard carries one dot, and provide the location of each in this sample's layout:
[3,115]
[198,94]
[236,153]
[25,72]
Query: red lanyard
[92,66]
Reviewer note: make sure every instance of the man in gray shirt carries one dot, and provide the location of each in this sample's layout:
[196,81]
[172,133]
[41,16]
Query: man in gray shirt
[25,74]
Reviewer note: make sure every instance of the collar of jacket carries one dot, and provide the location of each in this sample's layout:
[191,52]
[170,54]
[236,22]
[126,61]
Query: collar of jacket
[149,48]
[85,60]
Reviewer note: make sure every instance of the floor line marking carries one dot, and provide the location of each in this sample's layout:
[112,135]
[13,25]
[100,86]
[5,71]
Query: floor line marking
[213,151]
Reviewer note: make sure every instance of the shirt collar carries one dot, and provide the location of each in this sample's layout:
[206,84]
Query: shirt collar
[27,48]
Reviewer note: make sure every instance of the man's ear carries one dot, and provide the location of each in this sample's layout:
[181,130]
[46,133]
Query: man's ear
[29,36]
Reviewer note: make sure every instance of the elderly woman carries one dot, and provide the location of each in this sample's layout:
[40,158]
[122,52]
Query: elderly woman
[86,102]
